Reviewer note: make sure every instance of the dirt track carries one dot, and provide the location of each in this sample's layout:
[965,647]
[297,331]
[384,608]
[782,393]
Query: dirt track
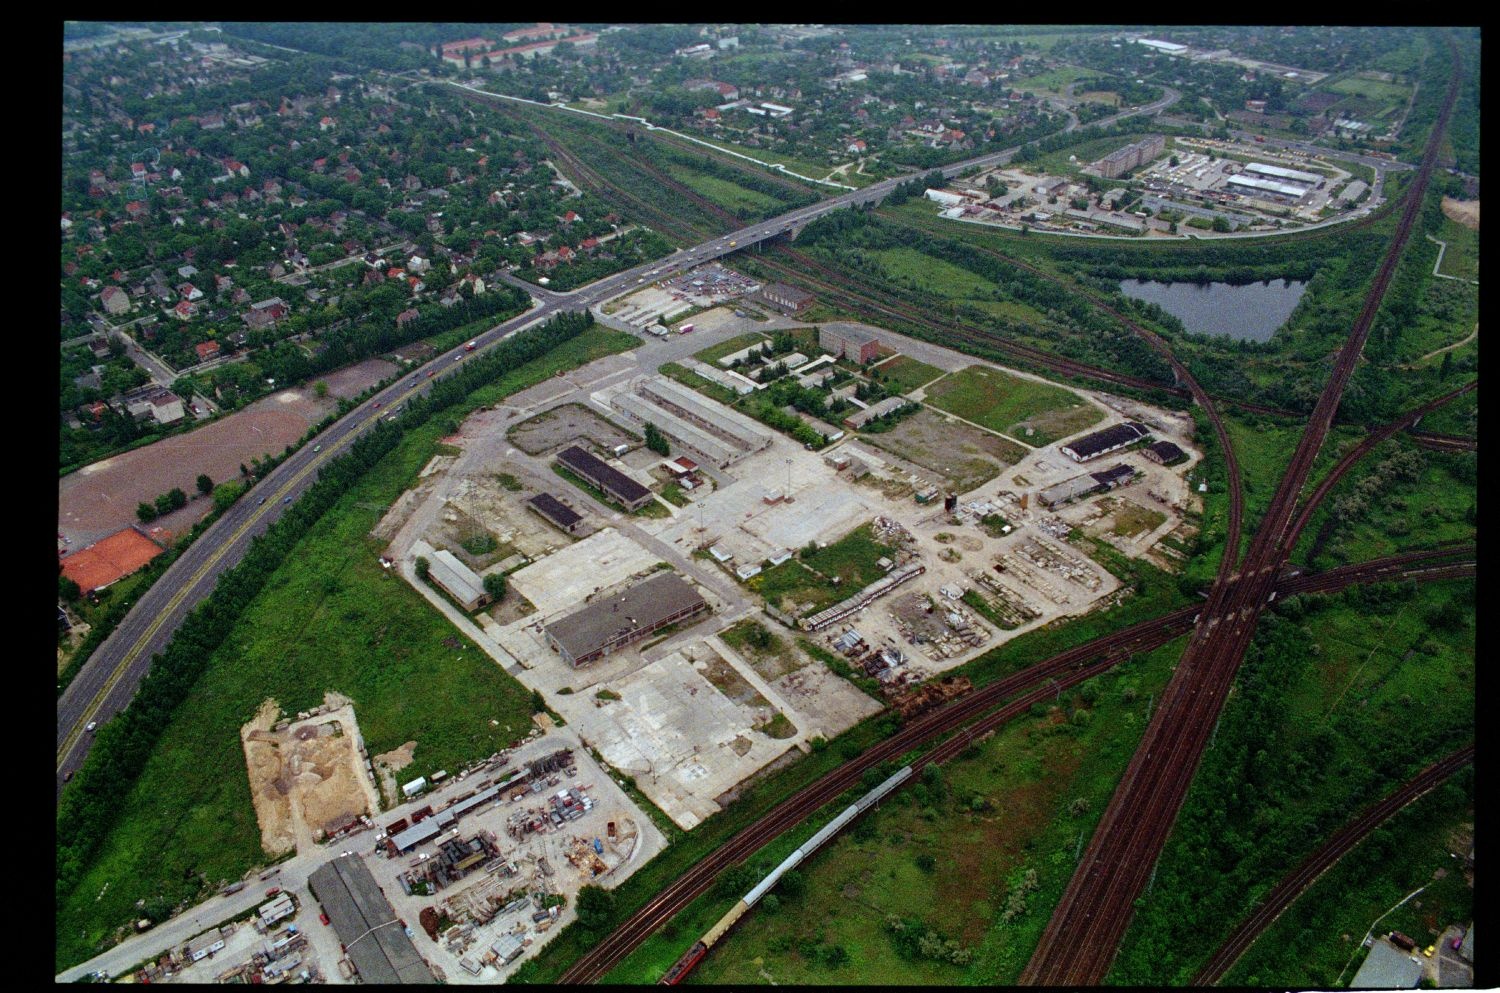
[100,499]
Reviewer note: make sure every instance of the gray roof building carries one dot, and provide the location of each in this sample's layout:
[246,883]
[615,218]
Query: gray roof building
[704,445]
[860,418]
[1163,452]
[366,924]
[1387,968]
[1107,440]
[460,582]
[555,511]
[733,427]
[624,617]
[613,482]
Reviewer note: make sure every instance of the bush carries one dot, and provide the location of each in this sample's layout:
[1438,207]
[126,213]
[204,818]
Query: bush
[926,862]
[67,589]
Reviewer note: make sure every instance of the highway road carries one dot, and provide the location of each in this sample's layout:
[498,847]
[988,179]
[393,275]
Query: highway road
[108,681]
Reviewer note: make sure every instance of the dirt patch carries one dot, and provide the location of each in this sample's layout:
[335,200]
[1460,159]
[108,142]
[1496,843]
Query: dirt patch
[564,425]
[100,499]
[1465,212]
[306,779]
[964,457]
[388,764]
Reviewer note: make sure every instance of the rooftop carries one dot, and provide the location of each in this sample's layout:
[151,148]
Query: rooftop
[640,606]
[595,470]
[366,924]
[554,510]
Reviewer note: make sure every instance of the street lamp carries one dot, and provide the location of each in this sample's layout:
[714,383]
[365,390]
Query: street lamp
[788,478]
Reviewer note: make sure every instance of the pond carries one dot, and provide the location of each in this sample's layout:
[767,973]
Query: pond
[1251,312]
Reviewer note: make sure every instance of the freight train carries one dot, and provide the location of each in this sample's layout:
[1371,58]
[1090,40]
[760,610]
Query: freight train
[700,948]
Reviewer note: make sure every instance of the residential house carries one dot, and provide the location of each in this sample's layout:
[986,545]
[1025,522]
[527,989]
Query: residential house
[206,350]
[115,300]
[407,316]
[189,292]
[184,311]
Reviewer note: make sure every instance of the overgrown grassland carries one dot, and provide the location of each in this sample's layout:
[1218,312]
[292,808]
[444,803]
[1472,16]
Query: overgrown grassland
[946,853]
[1306,948]
[1340,698]
[330,618]
[1012,405]
[904,373]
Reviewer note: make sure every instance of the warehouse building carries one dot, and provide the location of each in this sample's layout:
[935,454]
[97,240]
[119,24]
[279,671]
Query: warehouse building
[1387,968]
[860,418]
[787,298]
[613,482]
[1163,452]
[1279,172]
[734,428]
[1267,186]
[623,617]
[366,924]
[555,512]
[457,580]
[1089,482]
[850,343]
[704,445]
[1091,446]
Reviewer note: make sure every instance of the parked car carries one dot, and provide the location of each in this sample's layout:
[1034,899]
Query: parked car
[323,918]
[91,725]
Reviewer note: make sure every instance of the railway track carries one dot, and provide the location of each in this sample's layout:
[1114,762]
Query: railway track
[1037,682]
[1083,935]
[1322,860]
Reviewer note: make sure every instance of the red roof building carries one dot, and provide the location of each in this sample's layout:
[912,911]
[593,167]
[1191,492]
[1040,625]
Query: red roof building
[206,350]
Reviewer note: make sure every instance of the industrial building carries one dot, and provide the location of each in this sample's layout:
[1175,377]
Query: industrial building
[850,343]
[366,924]
[613,482]
[1267,186]
[860,418]
[787,298]
[1091,446]
[1387,968]
[555,512]
[457,580]
[1279,172]
[623,617]
[1163,452]
[1122,160]
[705,446]
[1085,484]
[733,427]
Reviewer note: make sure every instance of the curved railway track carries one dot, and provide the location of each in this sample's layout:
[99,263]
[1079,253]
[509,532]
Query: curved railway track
[1082,938]
[1322,860]
[1037,681]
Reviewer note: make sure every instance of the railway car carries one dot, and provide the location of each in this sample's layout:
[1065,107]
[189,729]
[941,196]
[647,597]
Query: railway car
[684,965]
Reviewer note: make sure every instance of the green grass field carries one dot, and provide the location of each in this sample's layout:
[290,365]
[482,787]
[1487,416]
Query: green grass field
[904,373]
[1461,259]
[726,194]
[714,353]
[1372,89]
[329,619]
[1054,80]
[1031,412]
[932,275]
[804,167]
[852,559]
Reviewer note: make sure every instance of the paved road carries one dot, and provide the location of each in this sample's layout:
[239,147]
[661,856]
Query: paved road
[109,679]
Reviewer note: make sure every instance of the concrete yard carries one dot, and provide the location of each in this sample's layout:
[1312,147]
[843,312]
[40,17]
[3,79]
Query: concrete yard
[567,577]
